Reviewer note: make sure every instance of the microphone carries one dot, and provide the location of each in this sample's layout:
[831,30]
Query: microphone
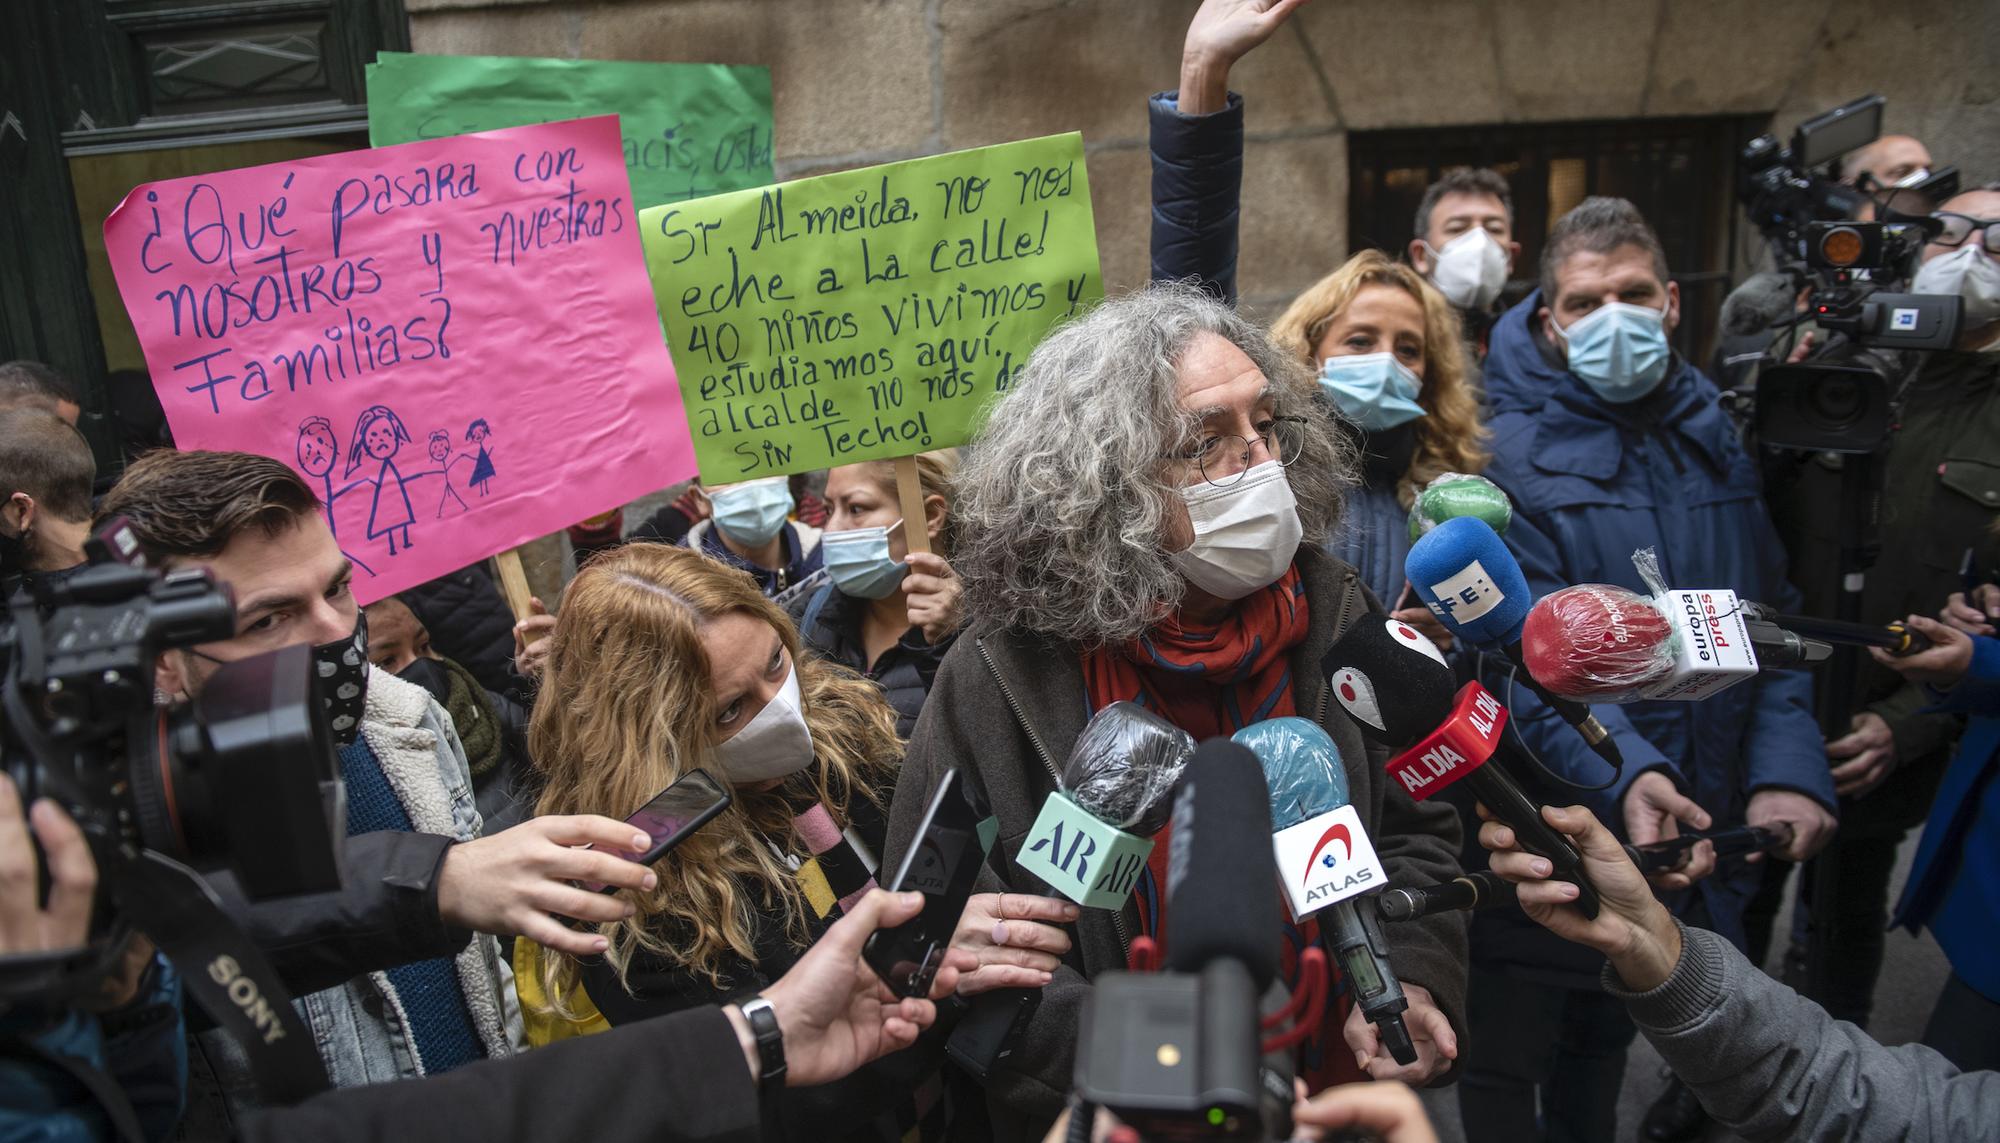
[1443,736]
[1093,836]
[1089,843]
[1176,1054]
[1482,890]
[1762,301]
[1311,815]
[1473,584]
[1602,643]
[1455,494]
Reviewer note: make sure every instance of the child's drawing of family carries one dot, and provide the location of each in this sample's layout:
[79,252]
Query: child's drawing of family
[379,435]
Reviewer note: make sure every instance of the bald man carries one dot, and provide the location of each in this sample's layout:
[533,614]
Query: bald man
[1889,160]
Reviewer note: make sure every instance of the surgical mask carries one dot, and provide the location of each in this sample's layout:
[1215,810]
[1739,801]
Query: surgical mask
[1619,350]
[1373,390]
[1972,275]
[1470,270]
[859,562]
[774,744]
[341,677]
[1245,535]
[752,513]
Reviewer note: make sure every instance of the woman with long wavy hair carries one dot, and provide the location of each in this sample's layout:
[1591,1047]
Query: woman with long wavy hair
[664,661]
[1391,361]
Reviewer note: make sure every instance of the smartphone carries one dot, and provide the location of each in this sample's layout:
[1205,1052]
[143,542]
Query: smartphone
[951,845]
[672,817]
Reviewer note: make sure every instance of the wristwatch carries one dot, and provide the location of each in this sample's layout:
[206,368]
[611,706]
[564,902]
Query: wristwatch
[763,1021]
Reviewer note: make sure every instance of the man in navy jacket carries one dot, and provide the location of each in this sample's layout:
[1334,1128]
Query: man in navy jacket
[1608,442]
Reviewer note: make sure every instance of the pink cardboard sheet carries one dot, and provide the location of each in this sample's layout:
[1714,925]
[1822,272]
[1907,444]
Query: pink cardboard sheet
[454,341]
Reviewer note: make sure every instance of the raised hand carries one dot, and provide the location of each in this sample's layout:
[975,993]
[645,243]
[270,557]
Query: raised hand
[1222,32]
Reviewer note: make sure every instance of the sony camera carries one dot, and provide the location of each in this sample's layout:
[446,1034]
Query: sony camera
[243,778]
[1845,247]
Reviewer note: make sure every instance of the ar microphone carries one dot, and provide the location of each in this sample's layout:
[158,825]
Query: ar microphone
[1089,844]
[1400,692]
[1455,494]
[1473,584]
[1325,863]
[1093,836]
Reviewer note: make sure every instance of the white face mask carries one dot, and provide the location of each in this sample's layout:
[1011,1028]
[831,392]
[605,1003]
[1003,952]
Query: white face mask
[1470,270]
[1970,274]
[774,744]
[1245,535]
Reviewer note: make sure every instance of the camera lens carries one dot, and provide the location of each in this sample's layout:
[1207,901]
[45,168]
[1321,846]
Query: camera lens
[1836,402]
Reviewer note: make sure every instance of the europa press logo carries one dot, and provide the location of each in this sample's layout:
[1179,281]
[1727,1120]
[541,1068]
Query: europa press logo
[1321,856]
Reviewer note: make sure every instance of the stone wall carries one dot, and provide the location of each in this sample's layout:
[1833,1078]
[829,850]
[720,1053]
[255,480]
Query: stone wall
[865,81]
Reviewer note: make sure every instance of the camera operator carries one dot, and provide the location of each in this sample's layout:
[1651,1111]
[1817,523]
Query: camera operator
[1888,163]
[708,1069]
[46,472]
[402,989]
[1763,1060]
[1940,491]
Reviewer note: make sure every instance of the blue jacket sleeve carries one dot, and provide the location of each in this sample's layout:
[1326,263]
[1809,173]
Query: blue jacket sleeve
[1561,748]
[1782,747]
[1979,692]
[1197,188]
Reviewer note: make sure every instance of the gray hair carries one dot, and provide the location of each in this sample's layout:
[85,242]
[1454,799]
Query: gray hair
[1598,225]
[1064,499]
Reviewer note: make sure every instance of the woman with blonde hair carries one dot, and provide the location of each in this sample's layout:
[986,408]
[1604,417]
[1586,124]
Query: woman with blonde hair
[663,661]
[886,611]
[1392,363]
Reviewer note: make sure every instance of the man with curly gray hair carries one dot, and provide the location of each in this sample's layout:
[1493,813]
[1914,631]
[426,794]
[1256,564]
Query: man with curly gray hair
[1142,519]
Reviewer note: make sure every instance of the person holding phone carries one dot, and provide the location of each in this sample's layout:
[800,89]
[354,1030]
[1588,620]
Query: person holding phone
[663,662]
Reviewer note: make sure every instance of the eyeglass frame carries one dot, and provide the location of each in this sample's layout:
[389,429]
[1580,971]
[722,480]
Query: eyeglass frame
[1984,227]
[1270,448]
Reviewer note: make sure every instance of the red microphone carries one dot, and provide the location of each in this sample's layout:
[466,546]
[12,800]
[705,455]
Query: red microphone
[1597,643]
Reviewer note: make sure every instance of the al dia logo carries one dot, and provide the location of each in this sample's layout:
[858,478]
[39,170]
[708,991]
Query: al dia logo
[1334,833]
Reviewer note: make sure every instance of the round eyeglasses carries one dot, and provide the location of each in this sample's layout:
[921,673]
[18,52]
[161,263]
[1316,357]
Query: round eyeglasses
[1223,458]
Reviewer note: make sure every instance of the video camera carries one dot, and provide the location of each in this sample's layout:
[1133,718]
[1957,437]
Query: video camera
[1842,399]
[243,778]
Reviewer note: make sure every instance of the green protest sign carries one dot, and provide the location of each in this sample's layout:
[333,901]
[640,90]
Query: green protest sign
[872,313]
[689,130]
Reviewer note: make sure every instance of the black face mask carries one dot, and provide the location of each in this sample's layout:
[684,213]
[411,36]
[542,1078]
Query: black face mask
[342,681]
[431,675]
[1386,453]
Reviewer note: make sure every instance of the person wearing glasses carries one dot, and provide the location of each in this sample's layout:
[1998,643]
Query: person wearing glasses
[1940,494]
[1143,518]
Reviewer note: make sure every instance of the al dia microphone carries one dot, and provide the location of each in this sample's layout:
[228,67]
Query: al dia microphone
[1397,687]
[1326,863]
[1473,584]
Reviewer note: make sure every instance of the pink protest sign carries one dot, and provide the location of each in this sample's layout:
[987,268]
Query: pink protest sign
[454,340]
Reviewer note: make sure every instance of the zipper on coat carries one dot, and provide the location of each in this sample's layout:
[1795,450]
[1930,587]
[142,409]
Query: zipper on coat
[1049,763]
[1339,625]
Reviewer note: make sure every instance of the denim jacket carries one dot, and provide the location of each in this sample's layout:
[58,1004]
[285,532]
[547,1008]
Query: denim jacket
[359,1026]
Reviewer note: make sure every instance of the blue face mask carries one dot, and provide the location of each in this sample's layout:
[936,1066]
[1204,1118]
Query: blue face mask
[1373,390]
[1619,350]
[752,513]
[858,560]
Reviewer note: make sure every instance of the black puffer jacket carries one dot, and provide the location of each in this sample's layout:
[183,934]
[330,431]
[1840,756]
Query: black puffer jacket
[829,622]
[469,623]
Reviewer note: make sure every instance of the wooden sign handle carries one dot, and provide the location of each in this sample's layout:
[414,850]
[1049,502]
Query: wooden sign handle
[910,490]
[514,583]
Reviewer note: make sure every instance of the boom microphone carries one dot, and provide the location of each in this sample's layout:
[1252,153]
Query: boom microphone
[1473,584]
[1761,302]
[1312,816]
[1399,691]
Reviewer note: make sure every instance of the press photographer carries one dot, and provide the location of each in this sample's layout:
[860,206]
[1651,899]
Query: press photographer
[1935,483]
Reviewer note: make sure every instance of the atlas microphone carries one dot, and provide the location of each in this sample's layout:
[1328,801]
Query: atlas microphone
[1473,584]
[1398,689]
[1326,863]
[1089,843]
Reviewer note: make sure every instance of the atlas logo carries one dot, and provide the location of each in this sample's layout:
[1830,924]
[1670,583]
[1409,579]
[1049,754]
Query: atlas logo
[1336,832]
